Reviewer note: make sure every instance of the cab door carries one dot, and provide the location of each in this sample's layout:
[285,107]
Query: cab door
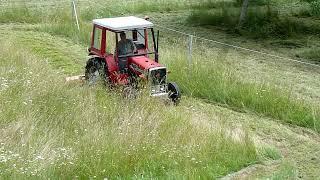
[98,41]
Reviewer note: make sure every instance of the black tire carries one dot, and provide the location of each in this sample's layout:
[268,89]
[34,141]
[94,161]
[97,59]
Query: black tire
[174,92]
[95,69]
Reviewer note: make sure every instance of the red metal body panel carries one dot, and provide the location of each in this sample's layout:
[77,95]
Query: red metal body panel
[112,64]
[103,41]
[143,62]
[113,71]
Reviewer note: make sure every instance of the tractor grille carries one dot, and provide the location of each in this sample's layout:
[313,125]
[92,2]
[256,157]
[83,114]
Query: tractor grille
[158,76]
[158,80]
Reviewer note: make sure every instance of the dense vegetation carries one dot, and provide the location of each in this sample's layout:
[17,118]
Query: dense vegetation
[74,130]
[80,131]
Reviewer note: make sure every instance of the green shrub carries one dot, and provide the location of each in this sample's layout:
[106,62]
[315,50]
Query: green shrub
[212,4]
[254,2]
[315,8]
[220,17]
[312,10]
[261,22]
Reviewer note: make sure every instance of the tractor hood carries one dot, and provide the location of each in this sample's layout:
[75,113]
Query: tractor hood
[143,62]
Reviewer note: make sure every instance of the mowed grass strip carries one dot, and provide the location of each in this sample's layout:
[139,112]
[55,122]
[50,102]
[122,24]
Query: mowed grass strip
[52,129]
[60,53]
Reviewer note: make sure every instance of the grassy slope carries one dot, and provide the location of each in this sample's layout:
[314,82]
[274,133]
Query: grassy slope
[212,79]
[299,79]
[223,88]
[52,129]
[299,147]
[60,139]
[262,99]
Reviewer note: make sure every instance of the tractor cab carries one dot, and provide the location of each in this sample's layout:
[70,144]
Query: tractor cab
[104,57]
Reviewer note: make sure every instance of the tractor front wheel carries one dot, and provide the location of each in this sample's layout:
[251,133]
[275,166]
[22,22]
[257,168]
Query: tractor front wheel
[174,92]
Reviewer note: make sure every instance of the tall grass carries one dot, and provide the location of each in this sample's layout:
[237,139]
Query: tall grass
[226,89]
[209,82]
[312,54]
[214,82]
[50,129]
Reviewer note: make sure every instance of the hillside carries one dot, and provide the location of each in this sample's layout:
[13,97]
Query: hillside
[242,116]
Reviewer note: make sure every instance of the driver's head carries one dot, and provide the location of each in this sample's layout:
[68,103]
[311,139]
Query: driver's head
[123,36]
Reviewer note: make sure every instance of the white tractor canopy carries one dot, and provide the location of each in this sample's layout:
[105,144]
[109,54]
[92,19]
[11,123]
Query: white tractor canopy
[123,23]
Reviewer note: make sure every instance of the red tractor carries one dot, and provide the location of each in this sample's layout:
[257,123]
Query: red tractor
[139,67]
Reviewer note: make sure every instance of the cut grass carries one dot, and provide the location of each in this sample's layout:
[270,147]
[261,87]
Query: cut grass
[51,130]
[59,53]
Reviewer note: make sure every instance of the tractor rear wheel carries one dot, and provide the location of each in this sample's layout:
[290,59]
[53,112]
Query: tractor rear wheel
[174,92]
[95,70]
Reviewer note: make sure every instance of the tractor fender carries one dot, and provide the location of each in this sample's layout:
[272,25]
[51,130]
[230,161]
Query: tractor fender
[95,59]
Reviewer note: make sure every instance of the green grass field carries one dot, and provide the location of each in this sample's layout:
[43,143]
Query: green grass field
[53,129]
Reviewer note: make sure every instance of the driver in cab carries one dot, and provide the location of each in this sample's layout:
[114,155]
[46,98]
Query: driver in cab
[125,47]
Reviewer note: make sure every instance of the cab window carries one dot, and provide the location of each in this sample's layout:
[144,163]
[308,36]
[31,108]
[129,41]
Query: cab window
[110,42]
[97,38]
[138,38]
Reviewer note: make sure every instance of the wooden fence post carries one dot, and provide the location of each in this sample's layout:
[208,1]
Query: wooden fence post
[190,50]
[74,13]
